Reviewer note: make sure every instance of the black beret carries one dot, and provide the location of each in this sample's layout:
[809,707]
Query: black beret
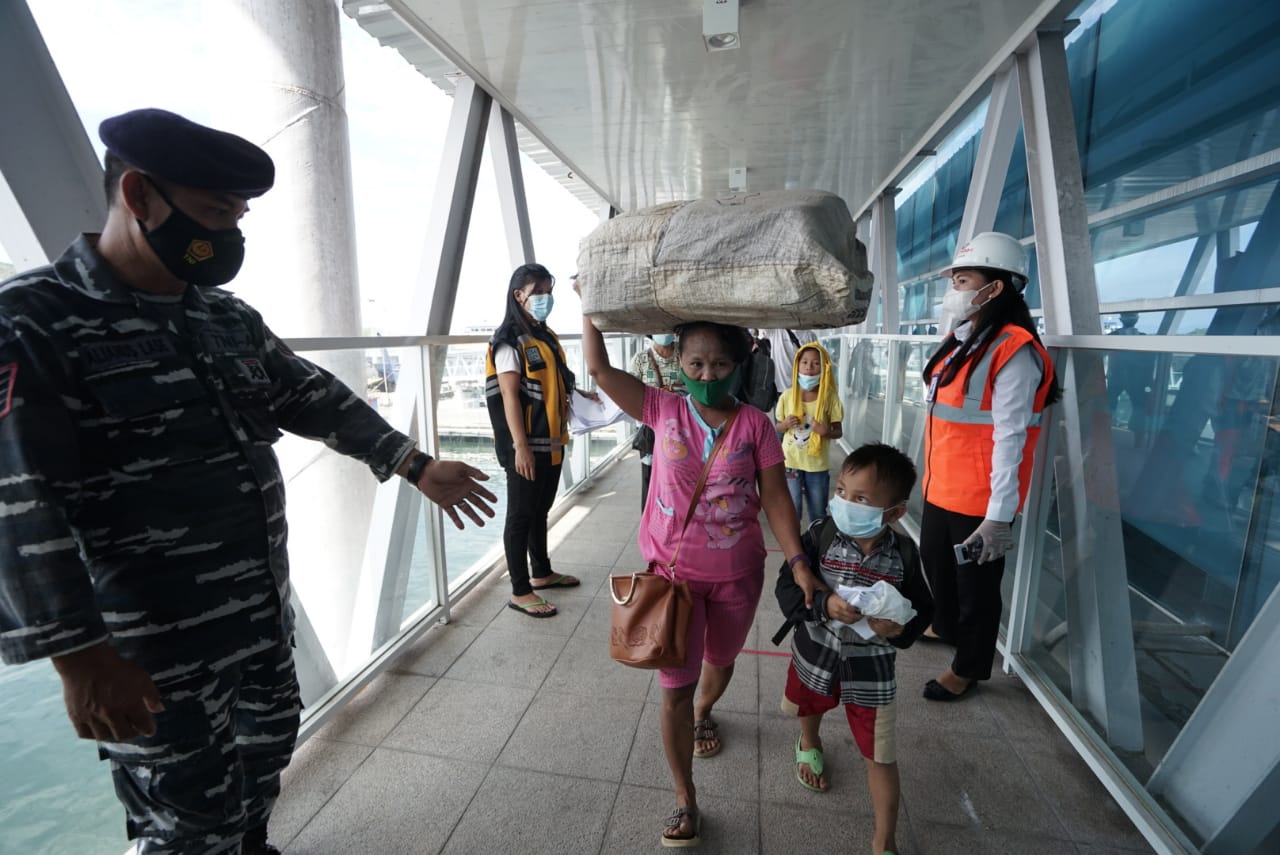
[168,146]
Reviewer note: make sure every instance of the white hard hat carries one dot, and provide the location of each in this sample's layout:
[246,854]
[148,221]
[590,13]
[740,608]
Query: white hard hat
[996,250]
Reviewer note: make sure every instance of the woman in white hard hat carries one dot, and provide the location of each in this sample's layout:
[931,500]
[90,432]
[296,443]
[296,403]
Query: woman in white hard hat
[988,385]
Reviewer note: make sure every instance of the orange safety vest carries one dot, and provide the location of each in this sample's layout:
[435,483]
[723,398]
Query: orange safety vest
[959,436]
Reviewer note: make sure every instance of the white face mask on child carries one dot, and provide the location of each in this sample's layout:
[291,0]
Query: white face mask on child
[809,382]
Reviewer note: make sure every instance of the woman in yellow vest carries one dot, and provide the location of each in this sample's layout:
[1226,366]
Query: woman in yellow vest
[527,387]
[988,385]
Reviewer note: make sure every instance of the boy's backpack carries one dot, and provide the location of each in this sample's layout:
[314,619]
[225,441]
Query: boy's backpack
[907,551]
[759,388]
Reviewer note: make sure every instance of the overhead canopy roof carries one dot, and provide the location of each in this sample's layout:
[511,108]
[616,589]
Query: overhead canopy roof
[620,100]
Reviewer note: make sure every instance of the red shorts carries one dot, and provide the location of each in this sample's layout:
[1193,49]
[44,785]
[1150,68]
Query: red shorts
[872,727]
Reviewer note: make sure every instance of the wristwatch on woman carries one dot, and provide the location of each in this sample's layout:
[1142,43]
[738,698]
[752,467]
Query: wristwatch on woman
[417,464]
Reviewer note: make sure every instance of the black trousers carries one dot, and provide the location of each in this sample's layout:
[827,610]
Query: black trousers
[525,537]
[646,471]
[966,597]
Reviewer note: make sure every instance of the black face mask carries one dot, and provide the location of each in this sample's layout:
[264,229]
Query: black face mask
[193,253]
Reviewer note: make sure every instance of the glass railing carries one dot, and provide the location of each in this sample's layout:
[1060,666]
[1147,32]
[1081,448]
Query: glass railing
[373,567]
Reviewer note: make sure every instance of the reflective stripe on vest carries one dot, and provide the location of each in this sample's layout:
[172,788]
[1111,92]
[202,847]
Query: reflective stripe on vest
[971,412]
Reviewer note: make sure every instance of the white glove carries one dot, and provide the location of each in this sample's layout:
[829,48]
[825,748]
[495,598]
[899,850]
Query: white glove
[996,538]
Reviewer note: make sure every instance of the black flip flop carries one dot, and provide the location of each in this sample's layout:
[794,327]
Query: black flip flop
[523,608]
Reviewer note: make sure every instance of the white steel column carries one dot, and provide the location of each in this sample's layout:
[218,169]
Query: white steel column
[995,149]
[1222,773]
[1103,667]
[884,237]
[451,208]
[505,154]
[50,178]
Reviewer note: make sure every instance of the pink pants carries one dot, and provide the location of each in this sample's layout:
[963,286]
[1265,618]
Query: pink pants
[722,616]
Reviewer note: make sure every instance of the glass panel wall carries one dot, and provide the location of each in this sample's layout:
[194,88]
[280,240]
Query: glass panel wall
[1198,520]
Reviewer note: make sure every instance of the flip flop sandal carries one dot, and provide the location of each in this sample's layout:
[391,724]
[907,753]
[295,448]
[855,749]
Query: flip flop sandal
[523,608]
[673,824]
[705,729]
[562,580]
[813,759]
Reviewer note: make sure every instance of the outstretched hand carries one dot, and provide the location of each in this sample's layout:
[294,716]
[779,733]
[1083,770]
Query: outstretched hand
[108,697]
[454,486]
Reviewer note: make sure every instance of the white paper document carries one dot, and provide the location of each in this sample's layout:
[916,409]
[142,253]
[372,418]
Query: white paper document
[587,415]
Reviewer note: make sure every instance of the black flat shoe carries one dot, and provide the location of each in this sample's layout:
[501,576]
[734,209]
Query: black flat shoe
[935,691]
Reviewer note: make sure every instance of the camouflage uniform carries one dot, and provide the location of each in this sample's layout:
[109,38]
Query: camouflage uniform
[143,505]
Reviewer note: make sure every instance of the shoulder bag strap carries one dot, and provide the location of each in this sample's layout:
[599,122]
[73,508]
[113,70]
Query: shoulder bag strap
[702,483]
[662,384]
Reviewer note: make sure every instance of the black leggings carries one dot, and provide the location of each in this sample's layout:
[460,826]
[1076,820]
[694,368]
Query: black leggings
[966,597]
[525,536]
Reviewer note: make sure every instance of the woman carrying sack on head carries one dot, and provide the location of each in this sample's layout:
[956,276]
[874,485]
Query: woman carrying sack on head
[654,366]
[988,385]
[527,387]
[721,553]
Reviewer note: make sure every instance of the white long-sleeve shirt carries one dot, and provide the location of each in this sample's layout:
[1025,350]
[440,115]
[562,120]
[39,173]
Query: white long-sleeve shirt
[1013,399]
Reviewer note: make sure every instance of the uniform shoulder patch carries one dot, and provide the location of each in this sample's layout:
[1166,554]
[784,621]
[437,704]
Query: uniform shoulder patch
[8,373]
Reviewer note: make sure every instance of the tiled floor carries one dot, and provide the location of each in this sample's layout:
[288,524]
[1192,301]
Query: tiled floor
[503,734]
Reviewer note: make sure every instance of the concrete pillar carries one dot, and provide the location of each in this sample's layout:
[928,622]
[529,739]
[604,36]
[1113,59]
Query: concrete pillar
[300,272]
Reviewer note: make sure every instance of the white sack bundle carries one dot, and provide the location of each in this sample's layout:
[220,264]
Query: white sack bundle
[780,259]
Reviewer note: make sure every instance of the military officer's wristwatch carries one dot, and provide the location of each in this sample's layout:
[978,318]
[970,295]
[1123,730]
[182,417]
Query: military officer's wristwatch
[416,465]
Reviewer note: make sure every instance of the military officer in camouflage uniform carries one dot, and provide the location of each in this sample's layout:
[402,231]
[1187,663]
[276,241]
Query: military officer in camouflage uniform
[143,541]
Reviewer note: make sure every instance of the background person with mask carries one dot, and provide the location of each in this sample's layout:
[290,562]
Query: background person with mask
[143,547]
[655,366]
[988,384]
[783,345]
[527,388]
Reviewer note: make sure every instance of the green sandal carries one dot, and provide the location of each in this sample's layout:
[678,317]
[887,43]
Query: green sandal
[813,759]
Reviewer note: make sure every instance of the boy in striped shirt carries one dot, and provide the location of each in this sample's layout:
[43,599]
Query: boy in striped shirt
[833,665]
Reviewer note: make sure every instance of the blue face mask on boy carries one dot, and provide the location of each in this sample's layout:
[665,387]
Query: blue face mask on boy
[809,382]
[854,520]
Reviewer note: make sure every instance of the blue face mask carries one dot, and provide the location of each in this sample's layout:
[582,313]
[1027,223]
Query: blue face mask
[663,339]
[539,306]
[854,520]
[809,382]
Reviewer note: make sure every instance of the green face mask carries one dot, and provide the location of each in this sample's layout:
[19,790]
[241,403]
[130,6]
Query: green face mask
[711,392]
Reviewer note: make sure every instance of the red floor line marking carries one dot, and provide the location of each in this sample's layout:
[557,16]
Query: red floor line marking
[766,653]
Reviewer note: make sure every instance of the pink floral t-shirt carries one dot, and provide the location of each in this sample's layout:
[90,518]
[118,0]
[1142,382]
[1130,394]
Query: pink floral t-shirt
[724,540]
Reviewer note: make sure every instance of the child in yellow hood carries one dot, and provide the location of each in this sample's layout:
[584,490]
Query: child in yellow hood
[807,415]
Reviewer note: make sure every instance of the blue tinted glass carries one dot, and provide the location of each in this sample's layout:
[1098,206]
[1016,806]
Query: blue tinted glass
[1167,90]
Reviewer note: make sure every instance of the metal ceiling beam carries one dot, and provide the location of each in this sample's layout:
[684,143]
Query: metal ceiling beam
[441,46]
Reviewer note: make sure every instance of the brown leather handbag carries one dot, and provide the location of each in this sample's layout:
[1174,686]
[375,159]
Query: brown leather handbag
[649,619]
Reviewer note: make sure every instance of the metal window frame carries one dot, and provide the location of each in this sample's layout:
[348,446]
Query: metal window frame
[50,178]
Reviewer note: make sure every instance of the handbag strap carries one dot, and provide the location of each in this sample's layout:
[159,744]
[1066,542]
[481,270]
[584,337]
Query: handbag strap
[656,370]
[702,483]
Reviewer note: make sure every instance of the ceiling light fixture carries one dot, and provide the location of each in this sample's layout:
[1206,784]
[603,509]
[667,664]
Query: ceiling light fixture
[720,24]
